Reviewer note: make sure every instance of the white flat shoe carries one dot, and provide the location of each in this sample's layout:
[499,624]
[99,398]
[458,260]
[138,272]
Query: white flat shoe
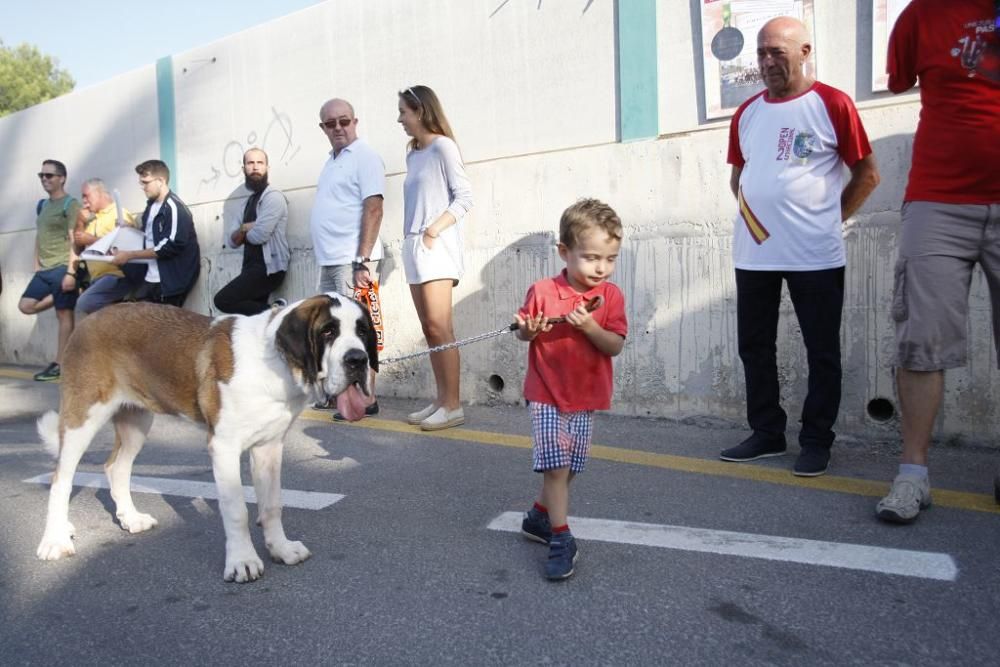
[416,417]
[442,419]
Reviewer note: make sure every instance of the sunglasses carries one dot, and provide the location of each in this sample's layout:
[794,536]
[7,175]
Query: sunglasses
[44,174]
[334,122]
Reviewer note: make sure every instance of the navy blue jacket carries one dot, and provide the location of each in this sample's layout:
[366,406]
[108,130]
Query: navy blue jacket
[178,256]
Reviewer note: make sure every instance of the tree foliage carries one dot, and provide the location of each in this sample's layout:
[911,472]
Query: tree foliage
[29,77]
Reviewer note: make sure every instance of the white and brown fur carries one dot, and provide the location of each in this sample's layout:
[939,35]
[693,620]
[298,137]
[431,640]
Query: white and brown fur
[245,378]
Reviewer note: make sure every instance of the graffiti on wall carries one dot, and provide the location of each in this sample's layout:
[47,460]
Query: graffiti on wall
[586,6]
[277,140]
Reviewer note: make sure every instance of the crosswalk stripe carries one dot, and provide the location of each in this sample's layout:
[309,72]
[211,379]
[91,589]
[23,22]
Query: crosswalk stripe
[920,564]
[307,500]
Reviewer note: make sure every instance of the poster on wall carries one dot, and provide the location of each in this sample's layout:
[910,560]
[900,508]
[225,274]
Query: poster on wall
[729,36]
[884,15]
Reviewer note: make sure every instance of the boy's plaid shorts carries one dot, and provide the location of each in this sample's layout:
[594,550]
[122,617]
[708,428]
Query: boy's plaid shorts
[559,439]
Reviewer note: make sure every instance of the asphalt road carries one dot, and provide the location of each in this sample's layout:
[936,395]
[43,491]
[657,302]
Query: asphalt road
[406,571]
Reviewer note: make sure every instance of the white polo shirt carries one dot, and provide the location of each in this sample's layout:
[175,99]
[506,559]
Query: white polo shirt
[347,179]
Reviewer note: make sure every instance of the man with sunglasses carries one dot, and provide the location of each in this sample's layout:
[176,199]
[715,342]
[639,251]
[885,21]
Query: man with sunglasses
[54,284]
[347,211]
[951,215]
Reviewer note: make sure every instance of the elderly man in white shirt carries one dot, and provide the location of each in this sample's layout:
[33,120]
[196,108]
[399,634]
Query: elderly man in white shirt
[347,212]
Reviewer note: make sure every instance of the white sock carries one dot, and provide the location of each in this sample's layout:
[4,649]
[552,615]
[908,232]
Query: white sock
[913,470]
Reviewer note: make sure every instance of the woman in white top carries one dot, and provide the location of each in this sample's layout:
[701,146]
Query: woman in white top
[436,197]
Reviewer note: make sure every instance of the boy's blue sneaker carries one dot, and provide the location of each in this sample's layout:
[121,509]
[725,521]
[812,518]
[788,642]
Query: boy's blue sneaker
[562,556]
[536,526]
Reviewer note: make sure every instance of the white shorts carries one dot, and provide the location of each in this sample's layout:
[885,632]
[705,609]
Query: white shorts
[442,262]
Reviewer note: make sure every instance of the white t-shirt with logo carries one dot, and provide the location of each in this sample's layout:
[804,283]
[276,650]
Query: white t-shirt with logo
[792,152]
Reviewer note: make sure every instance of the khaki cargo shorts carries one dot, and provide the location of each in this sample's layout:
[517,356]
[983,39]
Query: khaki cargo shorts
[939,246]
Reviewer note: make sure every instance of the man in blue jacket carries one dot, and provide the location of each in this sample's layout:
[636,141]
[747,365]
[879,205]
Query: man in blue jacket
[171,241]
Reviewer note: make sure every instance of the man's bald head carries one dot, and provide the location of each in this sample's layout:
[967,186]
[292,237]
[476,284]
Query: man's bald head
[336,105]
[787,27]
[783,46]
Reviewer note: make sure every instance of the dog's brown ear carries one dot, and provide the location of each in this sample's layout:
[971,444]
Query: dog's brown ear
[302,335]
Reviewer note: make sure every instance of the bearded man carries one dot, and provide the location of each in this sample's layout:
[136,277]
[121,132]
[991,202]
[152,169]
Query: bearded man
[261,230]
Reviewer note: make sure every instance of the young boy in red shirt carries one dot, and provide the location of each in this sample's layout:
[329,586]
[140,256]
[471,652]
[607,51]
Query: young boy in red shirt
[569,367]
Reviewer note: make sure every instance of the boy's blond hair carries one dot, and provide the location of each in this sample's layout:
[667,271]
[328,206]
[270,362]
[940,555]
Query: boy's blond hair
[585,216]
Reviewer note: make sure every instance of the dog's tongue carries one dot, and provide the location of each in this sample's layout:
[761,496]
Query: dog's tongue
[351,403]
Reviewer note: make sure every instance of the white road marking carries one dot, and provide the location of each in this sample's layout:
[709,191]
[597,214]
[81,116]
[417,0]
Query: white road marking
[922,564]
[307,500]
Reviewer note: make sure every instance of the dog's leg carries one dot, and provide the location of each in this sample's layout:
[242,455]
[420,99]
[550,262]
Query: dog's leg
[242,562]
[266,460]
[131,426]
[57,540]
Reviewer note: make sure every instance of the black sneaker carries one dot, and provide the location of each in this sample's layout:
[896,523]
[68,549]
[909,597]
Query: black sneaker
[370,411]
[50,374]
[755,447]
[536,526]
[562,557]
[325,407]
[812,461]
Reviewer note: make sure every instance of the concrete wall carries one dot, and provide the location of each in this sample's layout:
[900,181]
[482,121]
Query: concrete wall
[539,101]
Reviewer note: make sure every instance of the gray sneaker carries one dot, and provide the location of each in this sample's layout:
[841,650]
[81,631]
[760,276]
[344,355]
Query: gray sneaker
[909,494]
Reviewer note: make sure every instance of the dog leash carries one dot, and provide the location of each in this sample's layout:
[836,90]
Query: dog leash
[591,305]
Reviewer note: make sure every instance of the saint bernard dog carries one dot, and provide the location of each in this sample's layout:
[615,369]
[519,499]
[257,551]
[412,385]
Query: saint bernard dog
[245,378]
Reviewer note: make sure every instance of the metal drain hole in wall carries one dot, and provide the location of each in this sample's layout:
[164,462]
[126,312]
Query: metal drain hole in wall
[881,409]
[495,383]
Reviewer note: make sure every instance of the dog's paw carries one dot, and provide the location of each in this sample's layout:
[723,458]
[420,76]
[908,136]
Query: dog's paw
[243,569]
[56,544]
[289,552]
[136,522]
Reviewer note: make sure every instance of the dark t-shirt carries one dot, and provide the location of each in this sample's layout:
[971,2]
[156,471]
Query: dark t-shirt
[253,254]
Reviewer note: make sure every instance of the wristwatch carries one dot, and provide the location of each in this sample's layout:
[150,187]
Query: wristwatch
[359,262]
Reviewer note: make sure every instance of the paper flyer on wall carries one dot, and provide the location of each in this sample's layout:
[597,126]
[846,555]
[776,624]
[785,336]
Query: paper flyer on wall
[729,39]
[884,15]
[122,238]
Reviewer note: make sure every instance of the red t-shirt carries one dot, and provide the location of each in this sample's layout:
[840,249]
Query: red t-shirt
[564,367]
[951,47]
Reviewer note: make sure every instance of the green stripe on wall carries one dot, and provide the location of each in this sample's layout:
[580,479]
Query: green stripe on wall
[638,113]
[168,116]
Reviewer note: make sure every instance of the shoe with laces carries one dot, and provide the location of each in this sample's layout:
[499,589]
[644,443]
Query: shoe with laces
[536,526]
[443,418]
[415,418]
[370,411]
[755,447]
[909,494]
[562,556]
[326,407]
[50,374]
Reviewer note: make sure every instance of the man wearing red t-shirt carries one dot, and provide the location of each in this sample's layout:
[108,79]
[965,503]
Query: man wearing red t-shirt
[951,214]
[788,147]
